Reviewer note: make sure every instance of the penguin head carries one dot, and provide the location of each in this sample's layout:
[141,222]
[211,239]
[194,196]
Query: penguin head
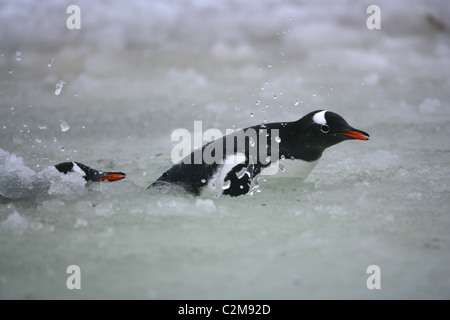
[88,173]
[324,129]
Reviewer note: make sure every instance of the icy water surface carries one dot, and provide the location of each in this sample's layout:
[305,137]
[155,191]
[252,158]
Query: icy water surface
[111,93]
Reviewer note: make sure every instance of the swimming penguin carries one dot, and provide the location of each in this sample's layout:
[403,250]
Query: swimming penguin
[228,165]
[88,173]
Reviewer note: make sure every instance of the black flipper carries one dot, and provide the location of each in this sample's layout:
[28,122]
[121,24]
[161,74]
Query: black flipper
[88,173]
[240,179]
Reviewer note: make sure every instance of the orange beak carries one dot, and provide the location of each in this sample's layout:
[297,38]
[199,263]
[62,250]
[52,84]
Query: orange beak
[356,134]
[113,177]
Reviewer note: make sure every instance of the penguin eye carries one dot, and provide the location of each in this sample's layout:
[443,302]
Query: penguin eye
[324,128]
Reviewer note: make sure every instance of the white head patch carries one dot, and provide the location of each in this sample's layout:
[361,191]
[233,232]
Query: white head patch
[319,117]
[77,169]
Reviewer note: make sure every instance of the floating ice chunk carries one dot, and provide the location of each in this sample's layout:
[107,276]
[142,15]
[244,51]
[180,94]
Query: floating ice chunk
[70,185]
[16,179]
[59,85]
[64,126]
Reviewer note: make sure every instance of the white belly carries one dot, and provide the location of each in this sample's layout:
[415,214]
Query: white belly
[288,168]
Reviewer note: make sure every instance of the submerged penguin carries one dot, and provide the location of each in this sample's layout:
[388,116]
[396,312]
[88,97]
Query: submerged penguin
[229,164]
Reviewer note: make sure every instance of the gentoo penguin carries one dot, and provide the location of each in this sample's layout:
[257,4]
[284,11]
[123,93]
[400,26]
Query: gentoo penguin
[229,164]
[88,173]
[297,144]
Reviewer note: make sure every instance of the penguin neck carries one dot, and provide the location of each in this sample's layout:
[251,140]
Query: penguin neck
[295,144]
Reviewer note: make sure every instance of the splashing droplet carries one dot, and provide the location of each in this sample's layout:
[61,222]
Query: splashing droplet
[252,115]
[64,126]
[203,181]
[296,103]
[277,139]
[10,71]
[281,167]
[268,159]
[261,178]
[18,56]
[50,62]
[252,142]
[59,85]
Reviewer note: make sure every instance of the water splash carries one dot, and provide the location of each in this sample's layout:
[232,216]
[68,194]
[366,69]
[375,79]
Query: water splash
[64,126]
[59,85]
[19,56]
[50,62]
[256,185]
